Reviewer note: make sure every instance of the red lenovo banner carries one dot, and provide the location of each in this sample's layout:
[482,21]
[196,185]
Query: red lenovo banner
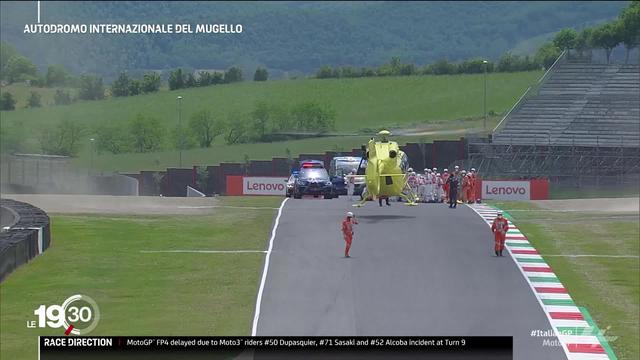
[256,185]
[514,189]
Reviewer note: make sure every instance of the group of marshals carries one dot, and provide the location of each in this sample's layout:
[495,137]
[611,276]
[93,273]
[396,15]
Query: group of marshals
[499,227]
[455,186]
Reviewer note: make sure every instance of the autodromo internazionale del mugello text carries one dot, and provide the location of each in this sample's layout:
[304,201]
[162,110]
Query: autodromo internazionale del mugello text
[133,28]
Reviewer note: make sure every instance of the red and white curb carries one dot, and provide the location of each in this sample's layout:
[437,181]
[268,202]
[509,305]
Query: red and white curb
[577,333]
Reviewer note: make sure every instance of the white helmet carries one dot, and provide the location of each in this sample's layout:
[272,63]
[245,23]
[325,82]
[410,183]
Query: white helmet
[473,169]
[435,169]
[438,174]
[410,170]
[427,170]
[446,170]
[457,167]
[349,214]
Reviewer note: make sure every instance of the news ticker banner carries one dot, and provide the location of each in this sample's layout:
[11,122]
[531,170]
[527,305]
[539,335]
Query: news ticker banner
[53,347]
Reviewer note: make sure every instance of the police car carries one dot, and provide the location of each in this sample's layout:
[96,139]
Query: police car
[291,183]
[313,179]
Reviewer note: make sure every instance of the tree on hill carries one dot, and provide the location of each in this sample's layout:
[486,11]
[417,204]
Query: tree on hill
[236,128]
[205,128]
[91,88]
[204,78]
[111,138]
[234,74]
[181,138]
[583,41]
[630,27]
[120,87]
[151,83]
[547,54]
[63,139]
[260,121]
[19,68]
[474,66]
[135,87]
[324,72]
[34,100]
[176,80]
[442,67]
[61,98]
[6,52]
[607,36]
[217,78]
[7,102]
[261,74]
[57,75]
[311,116]
[147,133]
[565,39]
[190,81]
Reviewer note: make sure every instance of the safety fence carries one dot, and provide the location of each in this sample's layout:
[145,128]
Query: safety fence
[25,234]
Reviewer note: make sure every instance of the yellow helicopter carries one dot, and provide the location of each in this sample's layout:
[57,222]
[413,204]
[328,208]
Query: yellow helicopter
[386,172]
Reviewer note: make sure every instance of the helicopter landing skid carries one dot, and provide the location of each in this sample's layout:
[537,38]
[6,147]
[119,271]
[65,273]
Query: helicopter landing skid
[408,199]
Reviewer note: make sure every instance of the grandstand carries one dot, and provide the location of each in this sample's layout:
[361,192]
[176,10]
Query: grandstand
[581,119]
[579,104]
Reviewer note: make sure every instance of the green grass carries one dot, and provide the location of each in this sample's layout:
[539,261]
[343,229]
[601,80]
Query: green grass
[21,93]
[607,287]
[139,293]
[609,192]
[358,103]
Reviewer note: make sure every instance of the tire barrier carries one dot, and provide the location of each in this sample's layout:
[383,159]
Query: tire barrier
[26,233]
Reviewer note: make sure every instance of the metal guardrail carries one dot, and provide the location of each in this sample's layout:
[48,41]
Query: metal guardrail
[531,91]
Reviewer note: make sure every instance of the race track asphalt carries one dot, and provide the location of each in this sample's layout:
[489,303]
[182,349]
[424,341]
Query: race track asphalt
[424,271]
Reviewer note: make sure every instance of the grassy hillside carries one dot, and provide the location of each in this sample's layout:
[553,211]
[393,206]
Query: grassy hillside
[358,103]
[238,153]
[290,36]
[21,93]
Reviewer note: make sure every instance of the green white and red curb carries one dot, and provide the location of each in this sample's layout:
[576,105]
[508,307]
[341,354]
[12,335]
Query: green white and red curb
[576,331]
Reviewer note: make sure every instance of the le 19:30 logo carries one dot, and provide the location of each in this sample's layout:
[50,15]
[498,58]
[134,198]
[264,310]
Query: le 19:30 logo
[78,315]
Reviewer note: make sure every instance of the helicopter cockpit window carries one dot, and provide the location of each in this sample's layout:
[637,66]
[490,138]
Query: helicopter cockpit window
[404,163]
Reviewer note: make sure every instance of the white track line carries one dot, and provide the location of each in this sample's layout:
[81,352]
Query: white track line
[256,316]
[203,251]
[228,207]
